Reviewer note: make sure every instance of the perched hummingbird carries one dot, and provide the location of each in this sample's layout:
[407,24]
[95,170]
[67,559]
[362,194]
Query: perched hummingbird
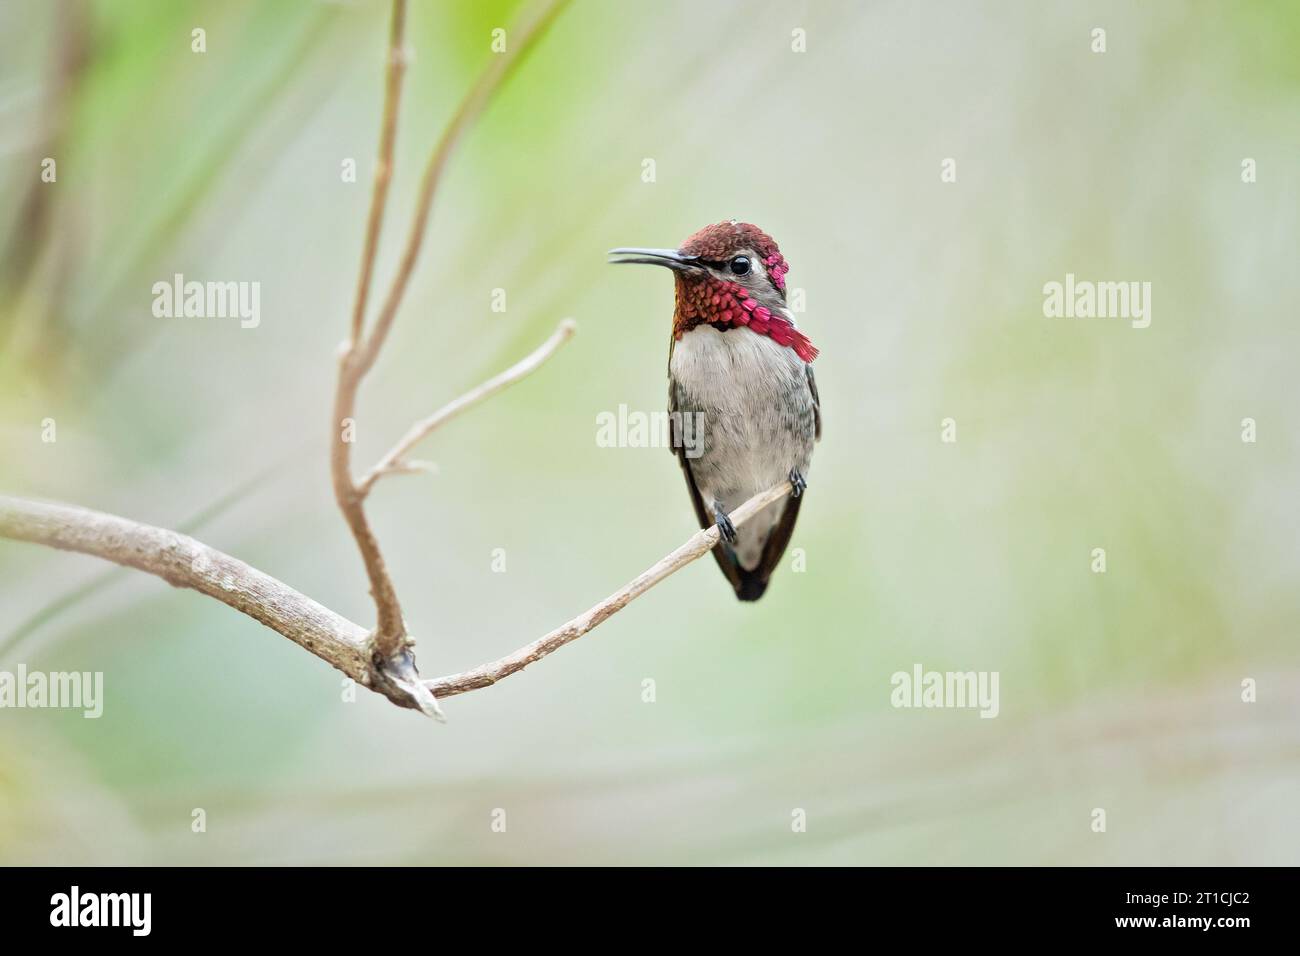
[738,365]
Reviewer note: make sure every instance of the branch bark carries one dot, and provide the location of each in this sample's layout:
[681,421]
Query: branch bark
[390,638]
[185,562]
[384,166]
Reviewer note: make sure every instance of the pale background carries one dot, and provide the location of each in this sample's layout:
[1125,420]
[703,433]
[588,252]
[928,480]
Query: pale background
[1119,691]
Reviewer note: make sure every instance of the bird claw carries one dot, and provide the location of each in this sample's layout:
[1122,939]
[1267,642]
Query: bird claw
[725,527]
[798,484]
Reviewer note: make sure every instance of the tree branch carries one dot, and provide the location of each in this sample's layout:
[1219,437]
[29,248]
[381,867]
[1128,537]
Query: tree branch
[519,40]
[384,166]
[185,562]
[390,632]
[391,641]
[394,461]
[390,638]
[699,544]
[382,659]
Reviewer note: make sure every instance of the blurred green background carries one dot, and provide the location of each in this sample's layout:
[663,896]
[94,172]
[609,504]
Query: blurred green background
[1119,690]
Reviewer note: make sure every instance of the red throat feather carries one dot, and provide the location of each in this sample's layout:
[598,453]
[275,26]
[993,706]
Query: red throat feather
[708,300]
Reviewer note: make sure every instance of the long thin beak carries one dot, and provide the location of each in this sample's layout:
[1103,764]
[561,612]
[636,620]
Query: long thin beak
[654,257]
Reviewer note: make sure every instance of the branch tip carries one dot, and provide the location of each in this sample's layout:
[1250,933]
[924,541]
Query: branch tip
[393,462]
[400,671]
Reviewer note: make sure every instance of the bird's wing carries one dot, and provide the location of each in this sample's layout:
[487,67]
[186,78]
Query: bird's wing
[721,553]
[817,404]
[773,549]
[755,582]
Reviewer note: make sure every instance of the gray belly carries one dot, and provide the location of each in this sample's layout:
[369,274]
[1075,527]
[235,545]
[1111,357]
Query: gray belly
[757,421]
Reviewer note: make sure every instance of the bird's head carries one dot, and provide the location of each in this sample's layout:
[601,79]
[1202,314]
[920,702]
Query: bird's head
[728,275]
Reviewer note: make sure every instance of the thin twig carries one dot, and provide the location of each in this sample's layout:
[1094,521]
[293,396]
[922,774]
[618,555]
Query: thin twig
[519,40]
[390,631]
[394,461]
[700,544]
[384,165]
[185,562]
[391,641]
[390,637]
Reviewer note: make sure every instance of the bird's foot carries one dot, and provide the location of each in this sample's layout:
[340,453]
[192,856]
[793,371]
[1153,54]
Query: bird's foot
[798,483]
[725,527]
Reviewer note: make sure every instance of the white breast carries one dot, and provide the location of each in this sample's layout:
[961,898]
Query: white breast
[734,370]
[758,420]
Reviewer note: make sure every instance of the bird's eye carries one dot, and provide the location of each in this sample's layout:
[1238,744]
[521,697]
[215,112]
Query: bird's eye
[740,265]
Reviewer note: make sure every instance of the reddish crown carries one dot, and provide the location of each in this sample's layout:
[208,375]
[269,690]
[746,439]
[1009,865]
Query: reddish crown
[704,298]
[723,240]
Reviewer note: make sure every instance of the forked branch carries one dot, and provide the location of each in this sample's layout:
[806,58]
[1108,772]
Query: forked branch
[390,641]
[185,562]
[379,659]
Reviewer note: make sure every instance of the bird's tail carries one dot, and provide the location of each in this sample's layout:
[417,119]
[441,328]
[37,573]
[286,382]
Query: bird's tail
[751,585]
[748,585]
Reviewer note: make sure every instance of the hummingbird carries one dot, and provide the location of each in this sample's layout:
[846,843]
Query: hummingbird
[739,366]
